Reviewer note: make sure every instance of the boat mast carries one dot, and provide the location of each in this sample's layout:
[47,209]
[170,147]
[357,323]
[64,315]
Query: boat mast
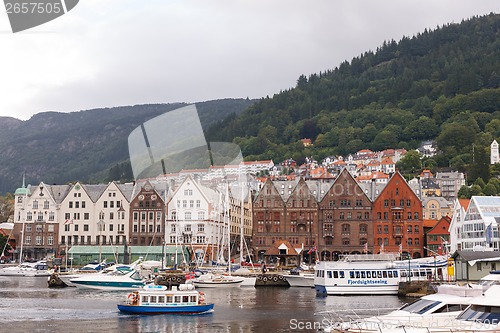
[226,213]
[23,216]
[242,216]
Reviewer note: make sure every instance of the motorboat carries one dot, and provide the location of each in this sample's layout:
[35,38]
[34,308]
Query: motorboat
[491,279]
[435,310]
[156,299]
[38,269]
[217,281]
[119,279]
[301,279]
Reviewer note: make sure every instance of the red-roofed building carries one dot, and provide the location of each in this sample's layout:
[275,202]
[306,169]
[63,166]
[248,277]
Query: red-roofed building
[398,221]
[437,237]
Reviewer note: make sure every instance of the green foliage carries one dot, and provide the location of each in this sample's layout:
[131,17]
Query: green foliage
[464,192]
[440,85]
[410,163]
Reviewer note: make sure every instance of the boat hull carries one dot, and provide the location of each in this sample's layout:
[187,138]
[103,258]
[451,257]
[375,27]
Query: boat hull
[108,285]
[144,309]
[300,280]
[357,290]
[212,284]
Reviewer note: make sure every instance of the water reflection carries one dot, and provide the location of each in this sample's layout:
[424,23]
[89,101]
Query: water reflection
[28,305]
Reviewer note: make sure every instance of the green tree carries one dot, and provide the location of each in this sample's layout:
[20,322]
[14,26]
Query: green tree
[476,190]
[490,189]
[480,182]
[464,192]
[410,163]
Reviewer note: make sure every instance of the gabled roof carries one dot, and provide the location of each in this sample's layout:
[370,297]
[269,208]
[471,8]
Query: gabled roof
[476,255]
[275,249]
[464,203]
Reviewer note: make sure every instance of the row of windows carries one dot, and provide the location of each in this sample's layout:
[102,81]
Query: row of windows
[87,240]
[398,229]
[120,227]
[401,202]
[39,228]
[151,228]
[188,215]
[111,204]
[46,204]
[39,217]
[337,274]
[169,299]
[39,240]
[398,215]
[409,241]
[187,227]
[191,203]
[150,216]
[77,204]
[187,239]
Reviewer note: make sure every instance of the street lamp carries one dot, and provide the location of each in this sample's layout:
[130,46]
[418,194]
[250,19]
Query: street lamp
[100,224]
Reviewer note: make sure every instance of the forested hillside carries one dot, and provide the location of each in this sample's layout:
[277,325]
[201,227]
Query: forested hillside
[440,85]
[89,146]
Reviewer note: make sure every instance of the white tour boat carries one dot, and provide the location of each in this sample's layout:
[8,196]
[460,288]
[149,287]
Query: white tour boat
[154,299]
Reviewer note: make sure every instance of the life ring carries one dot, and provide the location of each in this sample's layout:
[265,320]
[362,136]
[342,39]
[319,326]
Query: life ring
[132,297]
[281,277]
[264,279]
[275,279]
[52,281]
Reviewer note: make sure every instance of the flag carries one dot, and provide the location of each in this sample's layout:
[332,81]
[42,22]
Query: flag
[400,247]
[382,248]
[366,247]
[311,250]
[68,221]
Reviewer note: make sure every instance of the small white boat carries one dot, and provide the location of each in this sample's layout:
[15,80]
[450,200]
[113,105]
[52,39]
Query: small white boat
[435,310]
[154,299]
[121,278]
[301,279]
[38,269]
[217,281]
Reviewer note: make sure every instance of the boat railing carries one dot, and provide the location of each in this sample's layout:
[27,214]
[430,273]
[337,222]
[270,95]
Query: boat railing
[370,257]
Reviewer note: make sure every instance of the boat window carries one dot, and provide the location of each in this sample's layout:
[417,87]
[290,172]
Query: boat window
[136,276]
[152,299]
[169,299]
[384,274]
[481,314]
[192,299]
[145,299]
[389,274]
[368,274]
[363,274]
[451,308]
[335,274]
[351,274]
[395,273]
[379,274]
[161,299]
[177,299]
[341,274]
[422,273]
[420,306]
[403,273]
[374,274]
[357,274]
[185,299]
[329,274]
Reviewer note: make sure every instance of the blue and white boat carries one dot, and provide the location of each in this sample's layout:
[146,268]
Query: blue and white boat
[122,278]
[156,299]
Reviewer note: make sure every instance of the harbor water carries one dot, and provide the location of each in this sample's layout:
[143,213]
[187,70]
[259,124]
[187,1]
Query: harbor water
[28,305]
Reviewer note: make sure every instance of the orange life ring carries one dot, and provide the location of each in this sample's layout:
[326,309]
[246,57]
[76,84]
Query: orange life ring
[132,297]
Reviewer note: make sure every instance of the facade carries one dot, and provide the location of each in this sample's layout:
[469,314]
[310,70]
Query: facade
[36,212]
[147,216]
[398,225]
[479,228]
[438,237]
[494,155]
[436,207]
[459,209]
[474,265]
[450,183]
[345,218]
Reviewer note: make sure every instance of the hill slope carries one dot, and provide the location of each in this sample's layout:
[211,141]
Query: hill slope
[89,145]
[440,85]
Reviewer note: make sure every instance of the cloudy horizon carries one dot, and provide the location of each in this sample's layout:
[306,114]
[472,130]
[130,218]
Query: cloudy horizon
[126,52]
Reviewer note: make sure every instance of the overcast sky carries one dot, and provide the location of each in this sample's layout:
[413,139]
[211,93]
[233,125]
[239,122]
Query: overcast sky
[106,53]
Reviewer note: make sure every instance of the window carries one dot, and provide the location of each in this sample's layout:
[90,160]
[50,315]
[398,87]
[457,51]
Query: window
[187,215]
[345,241]
[415,228]
[201,227]
[415,216]
[386,229]
[85,227]
[46,204]
[50,240]
[198,203]
[363,228]
[201,215]
[379,229]
[51,216]
[346,228]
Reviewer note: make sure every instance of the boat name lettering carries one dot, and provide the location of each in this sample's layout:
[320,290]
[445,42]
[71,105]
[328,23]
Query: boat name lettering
[365,282]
